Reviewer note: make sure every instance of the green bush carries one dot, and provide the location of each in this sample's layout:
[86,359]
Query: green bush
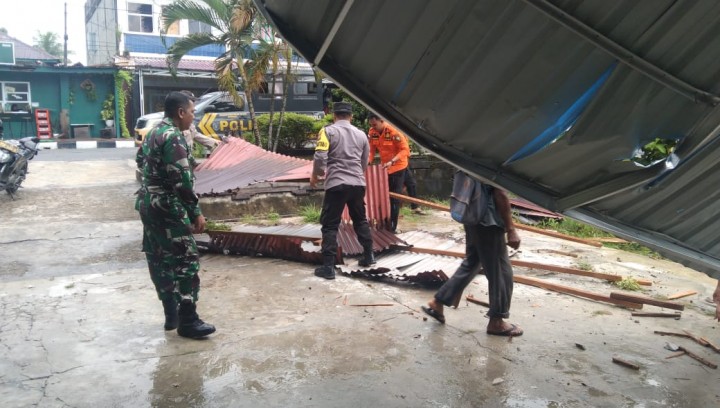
[297,129]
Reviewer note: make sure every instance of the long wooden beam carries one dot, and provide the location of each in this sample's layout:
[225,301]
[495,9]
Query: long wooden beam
[441,207]
[525,264]
[646,300]
[526,280]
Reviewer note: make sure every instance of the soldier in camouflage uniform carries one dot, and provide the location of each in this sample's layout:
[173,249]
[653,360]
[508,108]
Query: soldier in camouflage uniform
[170,213]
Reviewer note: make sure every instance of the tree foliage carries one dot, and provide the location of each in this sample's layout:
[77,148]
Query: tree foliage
[50,43]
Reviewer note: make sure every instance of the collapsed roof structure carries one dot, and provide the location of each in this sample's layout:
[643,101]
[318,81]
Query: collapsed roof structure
[547,99]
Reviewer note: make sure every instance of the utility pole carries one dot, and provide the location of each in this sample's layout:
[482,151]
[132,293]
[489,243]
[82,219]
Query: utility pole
[66,38]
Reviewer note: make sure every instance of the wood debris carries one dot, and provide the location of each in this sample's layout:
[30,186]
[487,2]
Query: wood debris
[573,291]
[625,363]
[656,314]
[470,298]
[682,294]
[646,300]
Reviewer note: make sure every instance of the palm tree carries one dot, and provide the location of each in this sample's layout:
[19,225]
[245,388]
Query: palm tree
[232,22]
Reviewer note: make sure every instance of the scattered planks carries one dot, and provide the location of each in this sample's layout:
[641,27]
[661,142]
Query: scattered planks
[573,271]
[573,291]
[698,358]
[470,298]
[656,314]
[682,294]
[646,300]
[625,363]
[526,264]
[699,340]
[441,207]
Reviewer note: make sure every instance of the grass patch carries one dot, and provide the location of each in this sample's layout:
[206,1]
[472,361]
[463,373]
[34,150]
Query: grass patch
[311,213]
[273,217]
[407,214]
[635,248]
[584,266]
[439,200]
[571,227]
[216,226]
[248,219]
[628,284]
[574,228]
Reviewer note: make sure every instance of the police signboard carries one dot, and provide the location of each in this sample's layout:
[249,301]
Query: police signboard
[7,53]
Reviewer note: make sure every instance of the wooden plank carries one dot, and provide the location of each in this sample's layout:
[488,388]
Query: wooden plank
[682,294]
[609,240]
[625,363]
[711,345]
[571,271]
[470,298]
[646,300]
[558,235]
[656,314]
[524,264]
[526,280]
[418,201]
[555,251]
[555,234]
[698,358]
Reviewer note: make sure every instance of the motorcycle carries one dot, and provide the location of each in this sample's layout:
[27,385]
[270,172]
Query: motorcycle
[14,158]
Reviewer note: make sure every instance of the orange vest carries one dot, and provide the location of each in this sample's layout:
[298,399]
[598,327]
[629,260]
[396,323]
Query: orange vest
[389,143]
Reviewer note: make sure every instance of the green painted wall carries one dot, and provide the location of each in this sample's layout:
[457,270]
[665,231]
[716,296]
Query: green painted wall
[61,90]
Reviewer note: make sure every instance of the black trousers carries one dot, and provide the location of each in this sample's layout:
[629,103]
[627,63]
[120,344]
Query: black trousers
[411,186]
[484,246]
[395,183]
[333,205]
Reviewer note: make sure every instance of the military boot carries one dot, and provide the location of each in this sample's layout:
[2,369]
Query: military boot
[326,271]
[368,259]
[171,313]
[190,324]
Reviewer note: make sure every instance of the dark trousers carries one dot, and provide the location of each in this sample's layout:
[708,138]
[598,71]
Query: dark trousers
[484,246]
[395,183]
[411,186]
[333,205]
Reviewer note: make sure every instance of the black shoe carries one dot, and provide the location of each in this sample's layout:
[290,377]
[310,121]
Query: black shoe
[170,307]
[190,324]
[367,260]
[327,272]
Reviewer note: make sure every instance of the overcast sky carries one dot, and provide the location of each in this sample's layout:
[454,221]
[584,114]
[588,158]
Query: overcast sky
[24,18]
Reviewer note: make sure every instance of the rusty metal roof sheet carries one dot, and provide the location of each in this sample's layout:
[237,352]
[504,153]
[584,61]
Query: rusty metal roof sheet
[295,242]
[237,164]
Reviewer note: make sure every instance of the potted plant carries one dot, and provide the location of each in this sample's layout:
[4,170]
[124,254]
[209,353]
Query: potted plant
[108,110]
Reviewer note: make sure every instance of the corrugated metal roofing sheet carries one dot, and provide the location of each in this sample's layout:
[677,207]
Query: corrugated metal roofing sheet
[27,52]
[186,64]
[237,164]
[547,99]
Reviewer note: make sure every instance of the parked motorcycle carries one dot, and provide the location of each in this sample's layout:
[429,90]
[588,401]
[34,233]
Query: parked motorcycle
[14,158]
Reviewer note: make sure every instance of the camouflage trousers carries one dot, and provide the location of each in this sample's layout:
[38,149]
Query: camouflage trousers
[169,246]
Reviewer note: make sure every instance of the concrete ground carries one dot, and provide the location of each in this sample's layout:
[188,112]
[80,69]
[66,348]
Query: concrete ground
[81,326]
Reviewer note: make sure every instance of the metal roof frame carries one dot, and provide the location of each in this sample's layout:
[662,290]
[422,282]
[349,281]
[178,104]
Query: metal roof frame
[545,98]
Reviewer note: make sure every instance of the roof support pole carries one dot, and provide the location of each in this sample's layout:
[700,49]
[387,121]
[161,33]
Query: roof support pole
[624,55]
[333,31]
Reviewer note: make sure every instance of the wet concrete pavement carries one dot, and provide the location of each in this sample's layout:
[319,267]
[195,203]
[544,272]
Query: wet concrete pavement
[81,325]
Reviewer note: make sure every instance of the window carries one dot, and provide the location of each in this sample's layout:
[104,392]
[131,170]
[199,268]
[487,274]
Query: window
[197,27]
[15,96]
[305,88]
[225,103]
[140,18]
